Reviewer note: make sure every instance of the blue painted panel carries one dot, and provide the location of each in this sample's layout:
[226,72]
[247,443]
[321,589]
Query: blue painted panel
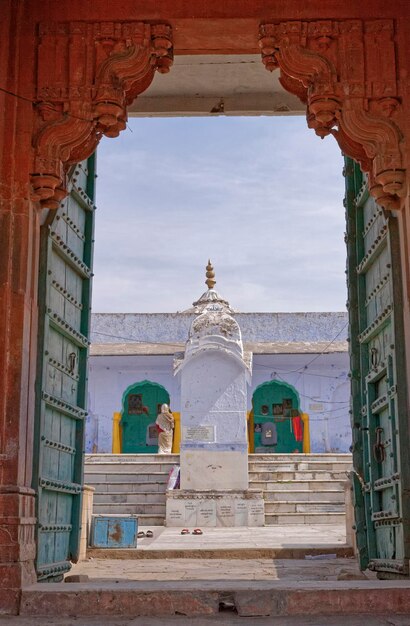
[114,532]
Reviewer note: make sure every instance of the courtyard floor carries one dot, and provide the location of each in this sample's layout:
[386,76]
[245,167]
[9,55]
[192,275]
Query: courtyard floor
[249,543]
[226,576]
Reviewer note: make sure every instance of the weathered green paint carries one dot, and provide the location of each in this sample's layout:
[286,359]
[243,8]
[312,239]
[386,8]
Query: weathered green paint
[379,389]
[265,396]
[61,386]
[138,424]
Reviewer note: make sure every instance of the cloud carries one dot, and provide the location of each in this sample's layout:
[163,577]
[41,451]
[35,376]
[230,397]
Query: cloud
[261,196]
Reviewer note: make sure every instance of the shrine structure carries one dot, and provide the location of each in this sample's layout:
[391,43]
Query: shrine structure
[214,374]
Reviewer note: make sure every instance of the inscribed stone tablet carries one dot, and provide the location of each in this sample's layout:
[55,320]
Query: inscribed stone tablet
[176,512]
[203,433]
[241,513]
[190,512]
[206,514]
[256,513]
[225,512]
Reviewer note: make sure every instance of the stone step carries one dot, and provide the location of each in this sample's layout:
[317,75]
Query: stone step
[302,475]
[336,496]
[110,508]
[284,506]
[114,477]
[125,468]
[296,485]
[134,487]
[283,457]
[131,458]
[254,465]
[129,498]
[267,466]
[287,600]
[150,519]
[162,476]
[303,518]
[318,456]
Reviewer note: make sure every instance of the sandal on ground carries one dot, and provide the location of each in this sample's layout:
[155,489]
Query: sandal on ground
[149,533]
[197,531]
[141,534]
[185,531]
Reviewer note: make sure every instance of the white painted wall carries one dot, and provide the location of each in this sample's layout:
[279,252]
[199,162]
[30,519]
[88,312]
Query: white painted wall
[169,327]
[323,387]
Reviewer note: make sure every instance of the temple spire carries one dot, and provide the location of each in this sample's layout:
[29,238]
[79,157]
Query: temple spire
[210,275]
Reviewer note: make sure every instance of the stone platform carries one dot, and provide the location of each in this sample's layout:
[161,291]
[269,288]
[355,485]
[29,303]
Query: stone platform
[224,618]
[203,598]
[279,542]
[214,508]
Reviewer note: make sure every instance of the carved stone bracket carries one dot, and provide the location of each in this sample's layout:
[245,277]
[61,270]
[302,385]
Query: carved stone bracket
[346,74]
[87,75]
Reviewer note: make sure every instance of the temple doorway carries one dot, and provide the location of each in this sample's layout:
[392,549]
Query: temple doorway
[140,407]
[277,424]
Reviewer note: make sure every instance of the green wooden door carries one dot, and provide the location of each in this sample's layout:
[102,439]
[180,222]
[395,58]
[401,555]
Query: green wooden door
[141,405]
[64,310]
[379,389]
[277,404]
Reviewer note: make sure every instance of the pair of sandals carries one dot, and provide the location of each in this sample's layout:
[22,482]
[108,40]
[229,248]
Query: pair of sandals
[148,534]
[196,531]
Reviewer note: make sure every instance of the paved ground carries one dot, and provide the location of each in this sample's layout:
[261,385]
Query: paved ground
[242,545]
[219,569]
[222,620]
[265,541]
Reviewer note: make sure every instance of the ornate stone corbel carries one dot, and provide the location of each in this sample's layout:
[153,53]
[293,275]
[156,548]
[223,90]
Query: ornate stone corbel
[346,74]
[87,75]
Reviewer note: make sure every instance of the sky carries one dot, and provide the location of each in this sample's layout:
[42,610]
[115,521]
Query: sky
[262,197]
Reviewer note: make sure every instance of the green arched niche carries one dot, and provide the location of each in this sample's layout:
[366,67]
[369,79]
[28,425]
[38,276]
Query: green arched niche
[140,404]
[277,402]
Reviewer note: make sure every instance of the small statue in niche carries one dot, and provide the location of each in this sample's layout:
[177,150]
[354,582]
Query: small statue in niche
[165,426]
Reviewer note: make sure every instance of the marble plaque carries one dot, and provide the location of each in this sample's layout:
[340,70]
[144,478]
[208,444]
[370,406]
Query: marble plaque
[211,510]
[241,513]
[200,433]
[256,513]
[176,512]
[206,513]
[191,513]
[225,513]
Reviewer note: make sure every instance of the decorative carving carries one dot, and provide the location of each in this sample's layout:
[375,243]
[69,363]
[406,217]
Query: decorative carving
[346,74]
[87,75]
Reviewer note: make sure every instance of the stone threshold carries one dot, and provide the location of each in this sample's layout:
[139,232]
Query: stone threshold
[205,598]
[219,553]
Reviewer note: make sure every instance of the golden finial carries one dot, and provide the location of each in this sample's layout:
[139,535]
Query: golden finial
[210,275]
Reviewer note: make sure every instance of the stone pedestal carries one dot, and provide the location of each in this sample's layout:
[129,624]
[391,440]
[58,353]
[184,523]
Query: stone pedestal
[214,372]
[86,517]
[211,509]
[217,469]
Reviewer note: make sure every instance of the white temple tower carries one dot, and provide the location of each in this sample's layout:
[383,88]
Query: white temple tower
[214,375]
